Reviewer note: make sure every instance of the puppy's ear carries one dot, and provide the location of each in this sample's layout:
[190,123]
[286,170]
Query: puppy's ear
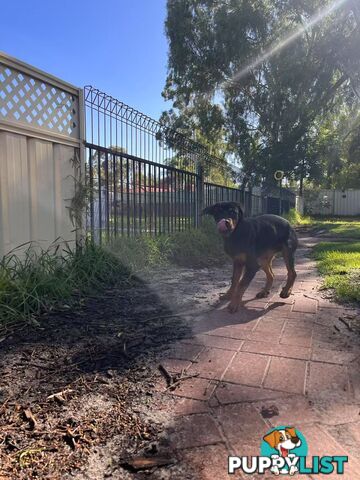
[208,210]
[291,431]
[272,438]
[241,212]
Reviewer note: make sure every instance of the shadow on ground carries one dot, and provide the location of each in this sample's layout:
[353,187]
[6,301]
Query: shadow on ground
[73,382]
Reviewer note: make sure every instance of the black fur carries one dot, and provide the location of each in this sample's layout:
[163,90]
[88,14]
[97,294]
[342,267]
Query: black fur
[248,241]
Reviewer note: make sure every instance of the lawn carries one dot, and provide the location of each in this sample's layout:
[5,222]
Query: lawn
[339,227]
[348,227]
[339,263]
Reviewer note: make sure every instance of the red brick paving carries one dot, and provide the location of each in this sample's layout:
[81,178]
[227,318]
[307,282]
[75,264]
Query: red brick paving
[272,363]
[327,380]
[212,363]
[247,369]
[232,393]
[195,430]
[286,374]
[207,463]
[287,351]
[216,342]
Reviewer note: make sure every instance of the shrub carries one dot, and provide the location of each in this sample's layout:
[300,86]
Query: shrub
[296,219]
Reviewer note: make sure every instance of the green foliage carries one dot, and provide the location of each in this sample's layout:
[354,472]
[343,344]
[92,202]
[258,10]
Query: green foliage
[38,281]
[296,219]
[266,115]
[197,248]
[192,248]
[340,265]
[35,281]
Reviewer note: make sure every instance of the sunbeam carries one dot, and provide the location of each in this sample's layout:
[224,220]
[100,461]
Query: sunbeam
[287,40]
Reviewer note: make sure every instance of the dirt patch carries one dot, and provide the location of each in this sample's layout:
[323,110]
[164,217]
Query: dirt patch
[76,388]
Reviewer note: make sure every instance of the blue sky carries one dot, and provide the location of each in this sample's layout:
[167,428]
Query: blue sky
[118,46]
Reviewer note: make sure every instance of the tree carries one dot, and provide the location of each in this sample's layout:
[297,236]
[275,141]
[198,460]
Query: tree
[254,80]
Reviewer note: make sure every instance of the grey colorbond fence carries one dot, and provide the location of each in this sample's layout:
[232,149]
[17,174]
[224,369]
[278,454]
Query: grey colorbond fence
[144,178]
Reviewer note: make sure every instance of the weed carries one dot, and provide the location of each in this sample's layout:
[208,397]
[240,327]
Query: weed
[35,280]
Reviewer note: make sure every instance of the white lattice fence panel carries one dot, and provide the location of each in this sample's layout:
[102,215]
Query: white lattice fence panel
[36,103]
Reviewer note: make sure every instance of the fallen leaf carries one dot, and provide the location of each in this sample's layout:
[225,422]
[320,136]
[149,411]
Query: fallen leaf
[30,418]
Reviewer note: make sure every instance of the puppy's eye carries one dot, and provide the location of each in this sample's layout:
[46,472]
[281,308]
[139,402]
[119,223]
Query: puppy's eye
[281,438]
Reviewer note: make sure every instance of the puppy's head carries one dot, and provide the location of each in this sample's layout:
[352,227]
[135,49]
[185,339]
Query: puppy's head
[226,215]
[283,440]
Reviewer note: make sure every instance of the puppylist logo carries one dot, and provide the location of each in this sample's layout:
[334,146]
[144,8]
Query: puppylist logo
[284,451]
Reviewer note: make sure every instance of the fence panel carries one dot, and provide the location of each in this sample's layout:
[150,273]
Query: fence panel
[214,193]
[40,129]
[131,196]
[146,178]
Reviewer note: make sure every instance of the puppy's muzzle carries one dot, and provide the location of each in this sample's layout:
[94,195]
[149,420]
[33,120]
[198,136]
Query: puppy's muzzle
[225,225]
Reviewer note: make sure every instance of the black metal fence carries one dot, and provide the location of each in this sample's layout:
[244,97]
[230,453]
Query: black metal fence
[144,178]
[129,196]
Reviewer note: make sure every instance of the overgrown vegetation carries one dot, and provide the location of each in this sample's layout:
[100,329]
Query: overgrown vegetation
[191,248]
[340,265]
[296,219]
[37,281]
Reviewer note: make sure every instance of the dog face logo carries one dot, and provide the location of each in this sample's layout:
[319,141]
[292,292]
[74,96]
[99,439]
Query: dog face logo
[283,440]
[284,445]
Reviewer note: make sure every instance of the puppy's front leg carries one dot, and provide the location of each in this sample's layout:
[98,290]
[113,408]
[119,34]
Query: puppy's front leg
[238,271]
[234,281]
[236,299]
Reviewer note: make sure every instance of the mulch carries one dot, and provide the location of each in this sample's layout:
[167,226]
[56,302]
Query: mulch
[77,380]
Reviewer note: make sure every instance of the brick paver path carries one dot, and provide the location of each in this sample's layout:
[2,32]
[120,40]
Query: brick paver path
[273,363]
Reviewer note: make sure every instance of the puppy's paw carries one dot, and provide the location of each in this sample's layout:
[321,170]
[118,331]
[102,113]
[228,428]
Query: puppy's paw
[275,470]
[293,470]
[263,294]
[285,293]
[234,306]
[225,296]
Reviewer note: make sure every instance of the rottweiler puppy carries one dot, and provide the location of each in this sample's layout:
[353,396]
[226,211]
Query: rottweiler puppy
[252,244]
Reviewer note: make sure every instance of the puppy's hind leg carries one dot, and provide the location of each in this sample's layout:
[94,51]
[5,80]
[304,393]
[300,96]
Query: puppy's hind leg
[288,252]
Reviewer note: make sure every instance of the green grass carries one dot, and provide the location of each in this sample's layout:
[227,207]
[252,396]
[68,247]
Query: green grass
[191,248]
[339,263]
[339,227]
[36,281]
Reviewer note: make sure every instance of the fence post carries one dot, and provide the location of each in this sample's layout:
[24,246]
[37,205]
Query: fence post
[199,193]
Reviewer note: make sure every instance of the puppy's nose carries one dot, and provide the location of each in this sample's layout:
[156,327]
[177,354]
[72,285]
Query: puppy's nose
[295,439]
